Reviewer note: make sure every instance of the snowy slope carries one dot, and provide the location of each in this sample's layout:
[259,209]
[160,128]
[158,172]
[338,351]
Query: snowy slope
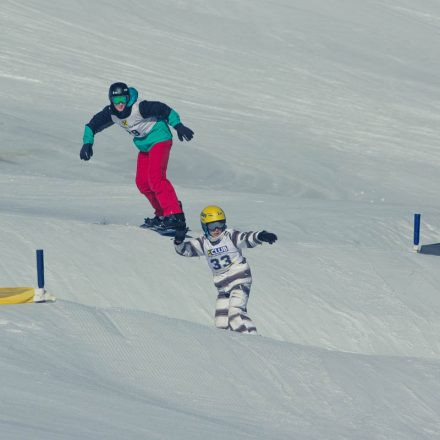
[108,377]
[316,120]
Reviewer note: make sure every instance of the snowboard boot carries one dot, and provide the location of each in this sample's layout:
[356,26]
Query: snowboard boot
[183,214]
[172,223]
[152,223]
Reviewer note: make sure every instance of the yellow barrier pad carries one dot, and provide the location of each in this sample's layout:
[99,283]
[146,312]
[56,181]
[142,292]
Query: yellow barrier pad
[16,295]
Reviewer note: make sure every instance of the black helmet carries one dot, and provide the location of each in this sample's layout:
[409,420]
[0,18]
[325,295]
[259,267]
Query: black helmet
[118,89]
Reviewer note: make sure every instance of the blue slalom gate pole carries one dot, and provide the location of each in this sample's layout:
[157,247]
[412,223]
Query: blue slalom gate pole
[40,268]
[417,232]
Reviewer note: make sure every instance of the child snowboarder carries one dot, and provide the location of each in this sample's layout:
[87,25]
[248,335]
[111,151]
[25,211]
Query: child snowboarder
[232,274]
[147,122]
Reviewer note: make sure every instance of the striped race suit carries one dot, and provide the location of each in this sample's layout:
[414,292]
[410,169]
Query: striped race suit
[232,275]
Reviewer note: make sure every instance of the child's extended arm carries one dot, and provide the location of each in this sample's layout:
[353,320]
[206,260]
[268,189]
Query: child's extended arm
[268,237]
[190,248]
[252,239]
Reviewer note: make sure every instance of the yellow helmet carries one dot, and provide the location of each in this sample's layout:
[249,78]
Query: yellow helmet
[212,214]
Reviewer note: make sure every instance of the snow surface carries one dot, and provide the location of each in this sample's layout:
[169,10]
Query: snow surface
[317,120]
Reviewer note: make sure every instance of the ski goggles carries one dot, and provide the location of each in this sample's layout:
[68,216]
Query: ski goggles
[120,99]
[215,225]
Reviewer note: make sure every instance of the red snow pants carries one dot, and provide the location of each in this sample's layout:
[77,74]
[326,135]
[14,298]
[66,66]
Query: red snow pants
[152,182]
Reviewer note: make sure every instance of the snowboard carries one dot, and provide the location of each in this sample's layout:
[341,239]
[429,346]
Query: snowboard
[165,232]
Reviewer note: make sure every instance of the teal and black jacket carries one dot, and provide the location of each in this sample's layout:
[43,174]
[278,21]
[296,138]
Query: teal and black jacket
[147,121]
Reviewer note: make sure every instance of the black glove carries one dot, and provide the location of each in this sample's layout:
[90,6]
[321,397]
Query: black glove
[180,235]
[86,152]
[267,237]
[184,132]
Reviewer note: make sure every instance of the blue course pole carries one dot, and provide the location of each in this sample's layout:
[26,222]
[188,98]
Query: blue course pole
[40,268]
[416,230]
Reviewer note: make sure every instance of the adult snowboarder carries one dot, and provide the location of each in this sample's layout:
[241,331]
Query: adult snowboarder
[148,122]
[232,274]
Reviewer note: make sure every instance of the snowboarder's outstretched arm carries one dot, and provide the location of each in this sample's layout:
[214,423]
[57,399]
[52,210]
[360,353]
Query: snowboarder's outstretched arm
[252,239]
[268,237]
[162,111]
[189,248]
[99,122]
